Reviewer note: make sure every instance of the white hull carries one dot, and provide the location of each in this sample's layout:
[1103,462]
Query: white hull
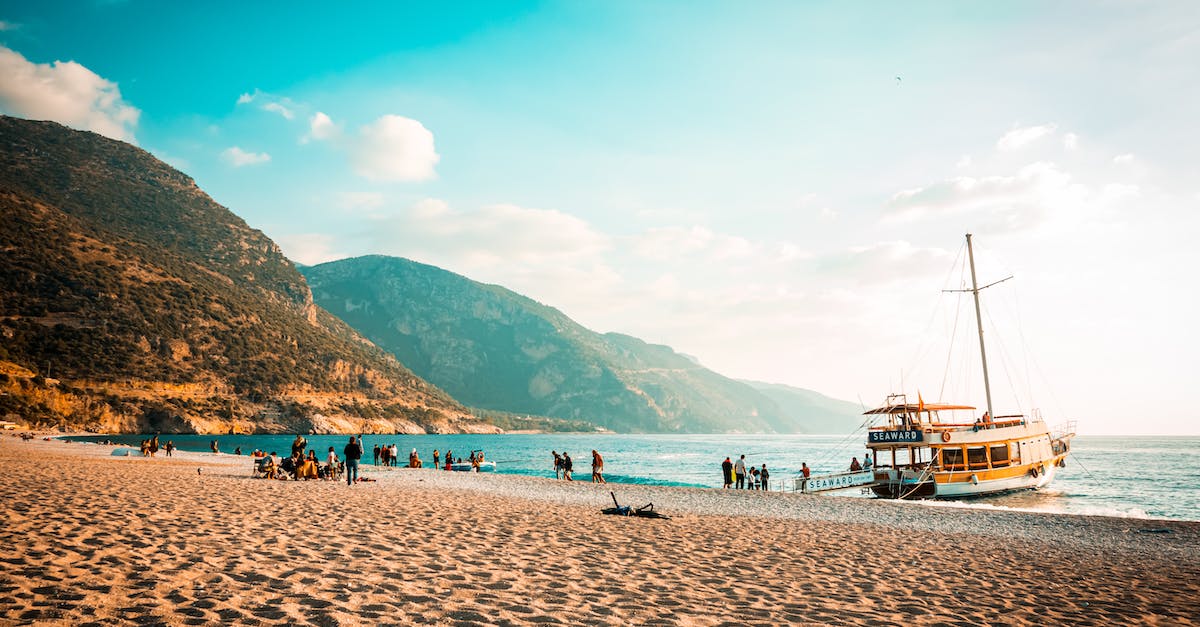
[966,489]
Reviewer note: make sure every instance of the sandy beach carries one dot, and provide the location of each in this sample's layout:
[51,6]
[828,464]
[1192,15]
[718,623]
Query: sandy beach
[92,539]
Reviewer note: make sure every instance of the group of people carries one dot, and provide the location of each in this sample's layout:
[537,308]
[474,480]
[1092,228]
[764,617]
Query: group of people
[150,447]
[855,466]
[389,455]
[738,476]
[564,465]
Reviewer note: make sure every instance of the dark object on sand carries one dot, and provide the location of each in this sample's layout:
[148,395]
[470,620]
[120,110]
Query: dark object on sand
[1156,530]
[645,511]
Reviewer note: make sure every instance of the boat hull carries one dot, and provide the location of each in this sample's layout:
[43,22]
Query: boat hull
[467,467]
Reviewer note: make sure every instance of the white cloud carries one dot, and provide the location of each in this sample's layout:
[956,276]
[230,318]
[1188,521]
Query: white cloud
[697,241]
[1071,141]
[1123,159]
[963,162]
[276,107]
[360,200]
[65,92]
[280,105]
[433,231]
[320,128]
[1020,137]
[1011,202]
[394,148]
[309,248]
[237,157]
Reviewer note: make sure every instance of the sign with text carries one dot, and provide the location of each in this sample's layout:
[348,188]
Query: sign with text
[837,482]
[887,437]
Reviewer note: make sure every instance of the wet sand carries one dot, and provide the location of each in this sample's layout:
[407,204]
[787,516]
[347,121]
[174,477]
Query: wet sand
[94,539]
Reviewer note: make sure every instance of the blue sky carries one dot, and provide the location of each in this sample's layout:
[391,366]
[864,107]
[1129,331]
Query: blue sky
[756,184]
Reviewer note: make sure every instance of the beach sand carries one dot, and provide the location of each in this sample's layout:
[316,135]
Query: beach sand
[91,539]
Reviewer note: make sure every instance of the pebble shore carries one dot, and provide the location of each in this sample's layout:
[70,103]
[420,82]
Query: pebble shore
[193,540]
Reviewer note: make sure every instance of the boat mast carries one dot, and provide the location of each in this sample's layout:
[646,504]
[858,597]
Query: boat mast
[987,385]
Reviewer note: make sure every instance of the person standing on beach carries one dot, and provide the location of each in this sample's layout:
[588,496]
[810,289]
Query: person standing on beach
[435,460]
[566,466]
[804,470]
[353,452]
[557,464]
[169,448]
[214,447]
[597,468]
[763,474]
[727,473]
[739,470]
[375,453]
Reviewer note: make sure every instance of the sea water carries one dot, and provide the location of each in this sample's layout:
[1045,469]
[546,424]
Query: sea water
[1131,476]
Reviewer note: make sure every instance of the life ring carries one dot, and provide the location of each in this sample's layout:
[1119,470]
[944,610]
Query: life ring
[1033,472]
[945,436]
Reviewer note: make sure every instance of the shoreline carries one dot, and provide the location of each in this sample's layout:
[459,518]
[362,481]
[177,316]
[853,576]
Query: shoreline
[129,540]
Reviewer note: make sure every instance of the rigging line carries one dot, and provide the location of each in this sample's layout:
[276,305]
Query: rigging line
[950,351]
[1004,359]
[1085,468]
[926,345]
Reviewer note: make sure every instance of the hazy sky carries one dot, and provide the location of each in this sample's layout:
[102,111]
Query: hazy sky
[778,189]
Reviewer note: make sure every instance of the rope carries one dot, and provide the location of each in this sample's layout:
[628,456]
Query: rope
[1085,469]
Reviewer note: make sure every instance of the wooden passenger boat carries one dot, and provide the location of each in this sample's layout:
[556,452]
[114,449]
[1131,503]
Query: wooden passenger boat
[930,450]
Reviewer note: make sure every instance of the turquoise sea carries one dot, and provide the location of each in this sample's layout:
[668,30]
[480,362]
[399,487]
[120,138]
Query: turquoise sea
[1136,476]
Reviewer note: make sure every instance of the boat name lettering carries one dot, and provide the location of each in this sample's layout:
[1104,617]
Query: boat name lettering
[907,435]
[837,482]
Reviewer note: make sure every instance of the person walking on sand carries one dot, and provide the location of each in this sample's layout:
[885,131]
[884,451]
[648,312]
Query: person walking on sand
[739,470]
[557,464]
[726,473]
[566,466]
[597,468]
[353,452]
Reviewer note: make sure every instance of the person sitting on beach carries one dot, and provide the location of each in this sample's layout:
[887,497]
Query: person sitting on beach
[414,460]
[271,466]
[854,465]
[308,467]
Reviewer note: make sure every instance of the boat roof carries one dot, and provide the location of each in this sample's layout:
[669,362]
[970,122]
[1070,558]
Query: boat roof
[907,408]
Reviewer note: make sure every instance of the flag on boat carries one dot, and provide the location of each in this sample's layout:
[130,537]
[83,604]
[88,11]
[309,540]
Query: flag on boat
[920,402]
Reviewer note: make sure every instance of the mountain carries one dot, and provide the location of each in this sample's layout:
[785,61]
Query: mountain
[818,413]
[156,309]
[492,348]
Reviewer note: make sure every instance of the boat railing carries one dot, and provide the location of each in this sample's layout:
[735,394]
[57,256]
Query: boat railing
[1063,430]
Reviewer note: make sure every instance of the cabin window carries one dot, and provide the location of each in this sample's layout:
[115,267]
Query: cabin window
[952,459]
[999,455]
[977,457]
[1014,452]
